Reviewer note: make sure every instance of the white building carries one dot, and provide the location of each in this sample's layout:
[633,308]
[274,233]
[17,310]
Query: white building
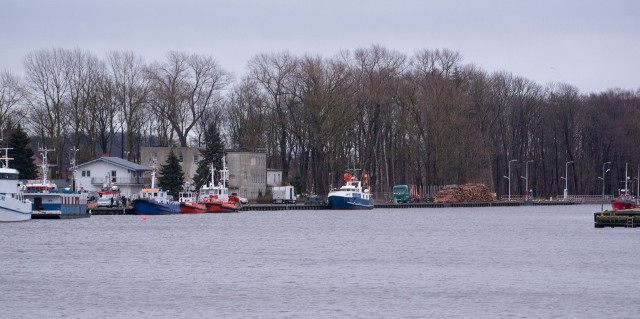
[274,177]
[105,172]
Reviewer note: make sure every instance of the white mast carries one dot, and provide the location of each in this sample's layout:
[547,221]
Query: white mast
[626,179]
[213,174]
[5,159]
[224,173]
[153,174]
[45,164]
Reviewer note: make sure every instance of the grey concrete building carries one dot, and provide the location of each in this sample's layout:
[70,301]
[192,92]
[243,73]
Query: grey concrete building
[187,156]
[247,172]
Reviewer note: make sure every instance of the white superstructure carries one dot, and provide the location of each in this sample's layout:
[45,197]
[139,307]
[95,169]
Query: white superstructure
[13,207]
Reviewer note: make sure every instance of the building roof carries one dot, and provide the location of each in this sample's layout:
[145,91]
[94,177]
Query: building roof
[118,162]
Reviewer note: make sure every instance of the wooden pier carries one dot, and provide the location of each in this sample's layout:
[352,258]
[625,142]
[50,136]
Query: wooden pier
[628,218]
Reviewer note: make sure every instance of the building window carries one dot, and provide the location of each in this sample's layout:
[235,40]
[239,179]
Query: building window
[86,173]
[195,159]
[180,158]
[113,176]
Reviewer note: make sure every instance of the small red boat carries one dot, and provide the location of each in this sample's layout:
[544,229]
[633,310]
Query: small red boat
[188,204]
[625,201]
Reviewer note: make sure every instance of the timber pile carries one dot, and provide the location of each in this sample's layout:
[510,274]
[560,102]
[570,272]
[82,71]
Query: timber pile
[471,192]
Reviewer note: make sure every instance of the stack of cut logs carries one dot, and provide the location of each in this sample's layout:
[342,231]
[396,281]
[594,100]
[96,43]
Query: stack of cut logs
[471,192]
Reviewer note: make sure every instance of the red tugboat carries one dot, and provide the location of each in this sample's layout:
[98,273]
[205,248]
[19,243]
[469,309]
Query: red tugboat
[216,197]
[625,200]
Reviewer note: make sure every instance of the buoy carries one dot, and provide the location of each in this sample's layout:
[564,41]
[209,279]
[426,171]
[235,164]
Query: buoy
[144,217]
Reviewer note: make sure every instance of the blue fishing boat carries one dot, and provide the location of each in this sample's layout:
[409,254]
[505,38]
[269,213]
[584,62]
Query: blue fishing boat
[352,195]
[154,201]
[48,202]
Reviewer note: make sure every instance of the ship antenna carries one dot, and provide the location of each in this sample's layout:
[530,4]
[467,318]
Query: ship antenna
[45,165]
[5,156]
[153,174]
[213,173]
[224,173]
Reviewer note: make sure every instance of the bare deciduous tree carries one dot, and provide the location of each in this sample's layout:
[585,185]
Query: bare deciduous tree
[11,94]
[48,99]
[131,89]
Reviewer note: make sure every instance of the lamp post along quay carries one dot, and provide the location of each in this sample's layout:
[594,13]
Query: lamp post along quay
[526,179]
[509,177]
[602,178]
[566,180]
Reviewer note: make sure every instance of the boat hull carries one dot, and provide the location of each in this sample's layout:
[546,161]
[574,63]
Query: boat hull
[222,207]
[192,208]
[620,204]
[57,205]
[144,206]
[349,203]
[13,215]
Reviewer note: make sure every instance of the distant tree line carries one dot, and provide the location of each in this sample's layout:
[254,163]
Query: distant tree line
[424,119]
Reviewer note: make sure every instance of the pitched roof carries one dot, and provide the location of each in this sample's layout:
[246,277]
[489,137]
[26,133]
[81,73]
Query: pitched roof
[119,162]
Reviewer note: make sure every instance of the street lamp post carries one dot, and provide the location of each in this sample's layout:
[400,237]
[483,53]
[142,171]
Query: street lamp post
[526,179]
[509,177]
[566,180]
[602,178]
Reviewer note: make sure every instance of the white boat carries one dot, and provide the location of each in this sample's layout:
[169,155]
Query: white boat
[13,206]
[352,195]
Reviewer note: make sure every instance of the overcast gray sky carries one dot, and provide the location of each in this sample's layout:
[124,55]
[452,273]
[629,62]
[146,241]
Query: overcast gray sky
[593,45]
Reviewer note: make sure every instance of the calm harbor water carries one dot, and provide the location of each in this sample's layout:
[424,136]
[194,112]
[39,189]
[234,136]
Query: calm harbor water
[497,262]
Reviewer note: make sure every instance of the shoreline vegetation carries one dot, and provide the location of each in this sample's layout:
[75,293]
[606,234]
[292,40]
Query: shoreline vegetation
[427,118]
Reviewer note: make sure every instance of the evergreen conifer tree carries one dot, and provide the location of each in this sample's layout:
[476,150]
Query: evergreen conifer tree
[22,154]
[212,153]
[171,175]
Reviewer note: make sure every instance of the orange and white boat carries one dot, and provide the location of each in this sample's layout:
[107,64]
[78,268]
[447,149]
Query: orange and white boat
[189,204]
[216,197]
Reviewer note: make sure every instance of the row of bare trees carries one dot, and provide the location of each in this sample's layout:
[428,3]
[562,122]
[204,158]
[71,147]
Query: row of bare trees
[70,99]
[424,119]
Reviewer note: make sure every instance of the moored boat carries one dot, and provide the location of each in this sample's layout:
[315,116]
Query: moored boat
[13,206]
[48,202]
[216,196]
[189,204]
[154,201]
[352,195]
[625,200]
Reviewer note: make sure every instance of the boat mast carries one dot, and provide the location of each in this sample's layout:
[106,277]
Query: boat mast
[213,174]
[153,174]
[224,173]
[45,164]
[5,156]
[626,179]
